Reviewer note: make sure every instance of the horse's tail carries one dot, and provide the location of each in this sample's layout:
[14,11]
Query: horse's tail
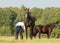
[34,30]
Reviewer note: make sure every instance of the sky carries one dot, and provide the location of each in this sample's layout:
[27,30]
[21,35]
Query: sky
[30,3]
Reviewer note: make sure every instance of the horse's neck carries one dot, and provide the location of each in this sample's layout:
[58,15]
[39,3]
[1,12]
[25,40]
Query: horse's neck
[52,26]
[27,14]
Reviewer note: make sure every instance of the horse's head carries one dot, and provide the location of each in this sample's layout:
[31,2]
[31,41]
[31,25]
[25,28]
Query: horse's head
[26,10]
[27,13]
[36,29]
[57,24]
[54,24]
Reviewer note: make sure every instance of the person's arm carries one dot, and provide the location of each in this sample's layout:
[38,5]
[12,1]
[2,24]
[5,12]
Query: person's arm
[23,27]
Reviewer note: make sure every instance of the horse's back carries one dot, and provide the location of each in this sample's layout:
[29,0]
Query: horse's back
[43,29]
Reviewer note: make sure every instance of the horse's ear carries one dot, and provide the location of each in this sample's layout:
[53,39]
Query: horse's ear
[57,22]
[26,9]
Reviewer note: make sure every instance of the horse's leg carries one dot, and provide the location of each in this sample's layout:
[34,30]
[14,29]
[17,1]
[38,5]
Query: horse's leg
[26,33]
[49,31]
[39,34]
[31,32]
[48,34]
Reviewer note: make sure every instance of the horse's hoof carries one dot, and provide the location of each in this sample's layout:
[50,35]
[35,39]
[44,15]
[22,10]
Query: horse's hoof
[48,38]
[39,38]
[26,38]
[31,38]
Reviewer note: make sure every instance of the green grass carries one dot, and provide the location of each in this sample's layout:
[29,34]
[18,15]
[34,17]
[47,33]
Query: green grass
[11,39]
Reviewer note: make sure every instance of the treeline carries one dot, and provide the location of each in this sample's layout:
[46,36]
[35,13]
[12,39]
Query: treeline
[10,16]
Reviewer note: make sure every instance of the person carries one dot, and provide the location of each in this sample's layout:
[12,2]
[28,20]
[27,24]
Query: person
[20,27]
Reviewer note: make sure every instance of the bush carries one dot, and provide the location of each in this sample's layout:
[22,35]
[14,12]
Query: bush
[56,32]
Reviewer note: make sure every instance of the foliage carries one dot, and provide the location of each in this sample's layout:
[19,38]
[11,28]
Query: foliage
[10,16]
[56,32]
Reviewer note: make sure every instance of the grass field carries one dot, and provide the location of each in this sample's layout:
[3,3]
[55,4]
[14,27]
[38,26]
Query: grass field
[11,39]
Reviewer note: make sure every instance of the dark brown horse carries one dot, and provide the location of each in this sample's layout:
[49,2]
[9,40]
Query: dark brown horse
[44,29]
[29,22]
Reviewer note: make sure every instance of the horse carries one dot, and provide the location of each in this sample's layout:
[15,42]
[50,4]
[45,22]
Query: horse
[29,22]
[47,29]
